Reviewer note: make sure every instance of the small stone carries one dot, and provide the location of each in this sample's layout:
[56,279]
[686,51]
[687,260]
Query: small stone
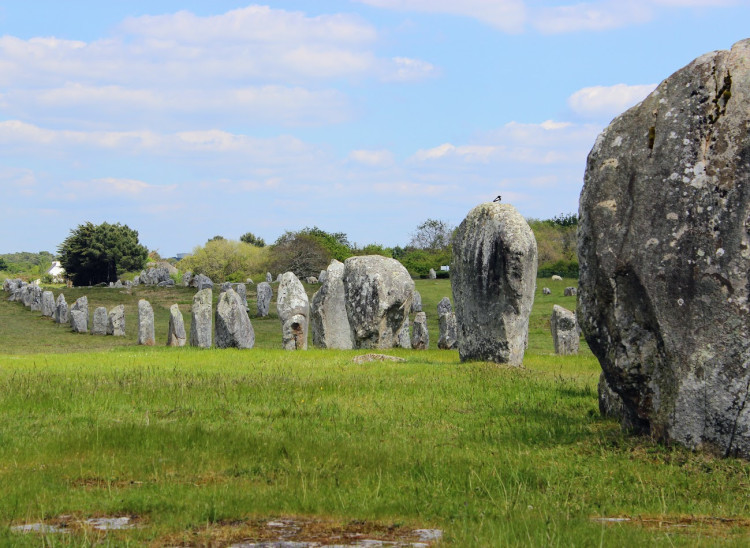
[269,278]
[570,292]
[564,328]
[416,302]
[420,337]
[448,332]
[444,306]
[432,275]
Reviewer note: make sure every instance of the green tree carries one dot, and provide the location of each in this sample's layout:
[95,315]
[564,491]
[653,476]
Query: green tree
[3,264]
[93,254]
[252,239]
[303,254]
[433,235]
[226,260]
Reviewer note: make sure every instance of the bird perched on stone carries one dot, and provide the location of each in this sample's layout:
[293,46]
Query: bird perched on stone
[499,198]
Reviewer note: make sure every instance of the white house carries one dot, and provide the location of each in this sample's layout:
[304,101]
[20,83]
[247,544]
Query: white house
[57,272]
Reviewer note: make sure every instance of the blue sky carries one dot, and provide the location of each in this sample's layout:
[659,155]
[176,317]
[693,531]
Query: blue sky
[185,119]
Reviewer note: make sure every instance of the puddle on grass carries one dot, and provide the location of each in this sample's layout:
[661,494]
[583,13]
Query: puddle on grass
[705,525]
[296,532]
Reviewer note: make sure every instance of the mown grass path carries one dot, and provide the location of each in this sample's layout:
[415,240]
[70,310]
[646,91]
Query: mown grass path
[197,444]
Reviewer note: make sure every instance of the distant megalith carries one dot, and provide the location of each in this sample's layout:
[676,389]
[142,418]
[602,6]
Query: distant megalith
[493,275]
[448,331]
[420,337]
[61,310]
[416,302]
[79,315]
[328,321]
[293,308]
[201,282]
[200,325]
[48,304]
[232,324]
[444,306]
[146,330]
[176,336]
[564,329]
[116,321]
[99,323]
[378,294]
[263,293]
[664,254]
[432,274]
[35,302]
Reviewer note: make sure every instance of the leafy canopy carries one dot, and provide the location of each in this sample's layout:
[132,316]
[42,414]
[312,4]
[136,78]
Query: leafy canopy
[92,254]
[226,260]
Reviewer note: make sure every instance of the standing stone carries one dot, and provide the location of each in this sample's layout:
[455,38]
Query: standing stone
[176,335]
[264,293]
[293,307]
[187,277]
[448,332]
[420,337]
[156,276]
[416,303]
[378,293]
[328,321]
[201,282]
[322,276]
[610,402]
[493,276]
[664,254]
[48,304]
[35,301]
[61,310]
[404,339]
[99,324]
[118,284]
[232,325]
[432,275]
[79,315]
[269,278]
[570,292]
[116,321]
[444,306]
[200,325]
[225,286]
[564,328]
[546,291]
[146,330]
[242,292]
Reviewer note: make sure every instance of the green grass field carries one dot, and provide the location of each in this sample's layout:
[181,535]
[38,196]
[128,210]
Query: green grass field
[202,447]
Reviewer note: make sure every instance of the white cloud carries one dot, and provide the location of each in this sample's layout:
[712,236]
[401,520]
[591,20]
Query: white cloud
[373,158]
[607,101]
[505,15]
[591,16]
[404,69]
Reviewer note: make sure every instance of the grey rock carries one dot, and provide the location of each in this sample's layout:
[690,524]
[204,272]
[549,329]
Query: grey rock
[79,324]
[564,328]
[444,306]
[311,280]
[48,304]
[546,291]
[264,293]
[328,320]
[416,302]
[610,402]
[378,293]
[61,310]
[156,276]
[99,323]
[293,308]
[432,275]
[663,243]
[146,331]
[278,279]
[242,292]
[116,321]
[200,325]
[420,337]
[232,325]
[35,298]
[493,275]
[448,332]
[176,335]
[166,283]
[137,281]
[225,286]
[201,282]
[404,339]
[269,278]
[118,284]
[187,277]
[323,275]
[570,292]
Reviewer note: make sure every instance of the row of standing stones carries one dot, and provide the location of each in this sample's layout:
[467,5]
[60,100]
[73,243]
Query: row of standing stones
[664,259]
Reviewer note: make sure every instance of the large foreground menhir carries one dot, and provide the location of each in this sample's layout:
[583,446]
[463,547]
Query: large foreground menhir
[664,252]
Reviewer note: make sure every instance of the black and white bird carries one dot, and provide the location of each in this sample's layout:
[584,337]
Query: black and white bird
[498,199]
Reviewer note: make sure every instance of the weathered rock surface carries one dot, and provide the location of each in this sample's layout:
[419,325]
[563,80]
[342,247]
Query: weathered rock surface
[200,325]
[610,402]
[99,323]
[416,302]
[146,331]
[187,277]
[116,321]
[564,328]
[420,337]
[269,278]
[404,338]
[664,253]
[293,307]
[201,282]
[448,332]
[493,276]
[570,292]
[431,274]
[378,294]
[155,276]
[241,290]
[232,325]
[444,306]
[323,275]
[61,310]
[176,335]
[328,320]
[48,304]
[35,300]
[264,292]
[79,322]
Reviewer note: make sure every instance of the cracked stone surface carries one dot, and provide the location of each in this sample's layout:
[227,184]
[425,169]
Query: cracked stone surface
[664,253]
